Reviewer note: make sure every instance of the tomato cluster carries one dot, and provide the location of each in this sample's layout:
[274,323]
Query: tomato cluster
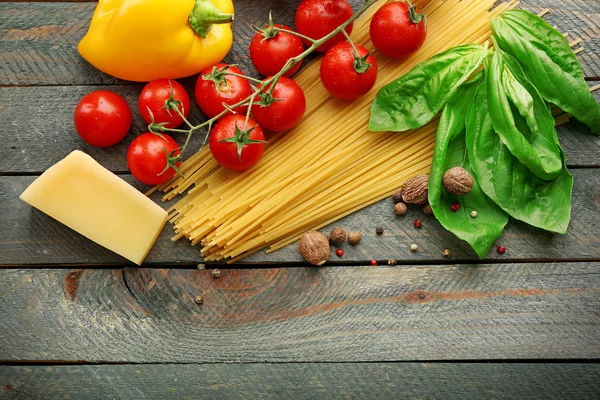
[237,140]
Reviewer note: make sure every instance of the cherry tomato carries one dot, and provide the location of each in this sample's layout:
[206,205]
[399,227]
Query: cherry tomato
[397,29]
[346,76]
[214,88]
[147,159]
[235,147]
[270,50]
[317,18]
[286,110]
[102,118]
[156,96]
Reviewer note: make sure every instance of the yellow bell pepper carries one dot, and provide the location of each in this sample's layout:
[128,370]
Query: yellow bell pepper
[142,40]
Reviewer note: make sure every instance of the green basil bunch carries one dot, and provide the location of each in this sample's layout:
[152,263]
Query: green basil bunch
[497,125]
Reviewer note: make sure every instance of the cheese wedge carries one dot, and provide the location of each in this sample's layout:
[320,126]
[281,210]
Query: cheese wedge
[93,201]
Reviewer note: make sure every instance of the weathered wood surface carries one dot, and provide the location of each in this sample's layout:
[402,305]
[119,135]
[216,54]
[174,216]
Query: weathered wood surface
[29,237]
[39,40]
[343,314]
[303,381]
[38,130]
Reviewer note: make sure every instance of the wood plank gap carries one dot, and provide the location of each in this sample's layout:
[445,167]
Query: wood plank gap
[15,363]
[294,264]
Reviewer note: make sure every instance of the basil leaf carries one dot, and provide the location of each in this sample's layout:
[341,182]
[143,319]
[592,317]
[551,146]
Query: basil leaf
[510,184]
[549,62]
[414,99]
[537,146]
[451,151]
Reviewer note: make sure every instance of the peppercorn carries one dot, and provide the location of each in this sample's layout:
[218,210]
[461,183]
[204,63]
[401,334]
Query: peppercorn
[501,249]
[414,248]
[379,231]
[374,263]
[400,208]
[337,235]
[392,261]
[455,207]
[417,223]
[397,196]
[427,210]
[354,237]
[216,273]
[339,252]
[199,299]
[473,214]
[447,253]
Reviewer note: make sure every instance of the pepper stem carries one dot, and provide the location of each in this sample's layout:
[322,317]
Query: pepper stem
[204,15]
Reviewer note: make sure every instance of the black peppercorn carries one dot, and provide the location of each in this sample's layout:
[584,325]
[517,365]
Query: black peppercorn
[379,231]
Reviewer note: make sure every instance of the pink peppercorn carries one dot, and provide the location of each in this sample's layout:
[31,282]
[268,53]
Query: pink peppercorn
[339,252]
[501,249]
[418,223]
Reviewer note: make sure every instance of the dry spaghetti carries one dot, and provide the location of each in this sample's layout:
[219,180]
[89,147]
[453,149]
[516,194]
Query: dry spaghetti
[328,166]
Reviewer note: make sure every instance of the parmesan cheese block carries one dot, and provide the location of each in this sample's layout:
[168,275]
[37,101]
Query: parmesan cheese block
[93,201]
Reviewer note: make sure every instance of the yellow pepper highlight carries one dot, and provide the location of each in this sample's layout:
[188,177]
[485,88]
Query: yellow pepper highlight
[142,40]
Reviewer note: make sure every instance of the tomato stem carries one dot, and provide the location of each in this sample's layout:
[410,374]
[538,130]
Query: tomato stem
[414,17]
[267,83]
[244,76]
[360,63]
[308,39]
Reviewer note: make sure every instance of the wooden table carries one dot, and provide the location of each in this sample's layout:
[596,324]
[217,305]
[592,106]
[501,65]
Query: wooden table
[77,320]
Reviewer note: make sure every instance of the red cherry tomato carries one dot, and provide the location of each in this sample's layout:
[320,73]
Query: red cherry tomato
[156,96]
[102,118]
[317,18]
[284,112]
[214,88]
[346,76]
[397,30]
[271,49]
[244,146]
[147,159]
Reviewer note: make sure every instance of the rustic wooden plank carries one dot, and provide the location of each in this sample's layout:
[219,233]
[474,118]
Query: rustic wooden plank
[39,40]
[30,237]
[38,129]
[303,381]
[343,314]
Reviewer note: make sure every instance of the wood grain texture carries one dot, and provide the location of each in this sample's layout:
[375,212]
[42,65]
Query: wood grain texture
[343,314]
[303,381]
[29,237]
[38,129]
[39,40]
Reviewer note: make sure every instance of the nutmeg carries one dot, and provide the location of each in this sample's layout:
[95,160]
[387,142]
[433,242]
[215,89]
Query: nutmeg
[314,247]
[354,237]
[457,181]
[337,235]
[414,190]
